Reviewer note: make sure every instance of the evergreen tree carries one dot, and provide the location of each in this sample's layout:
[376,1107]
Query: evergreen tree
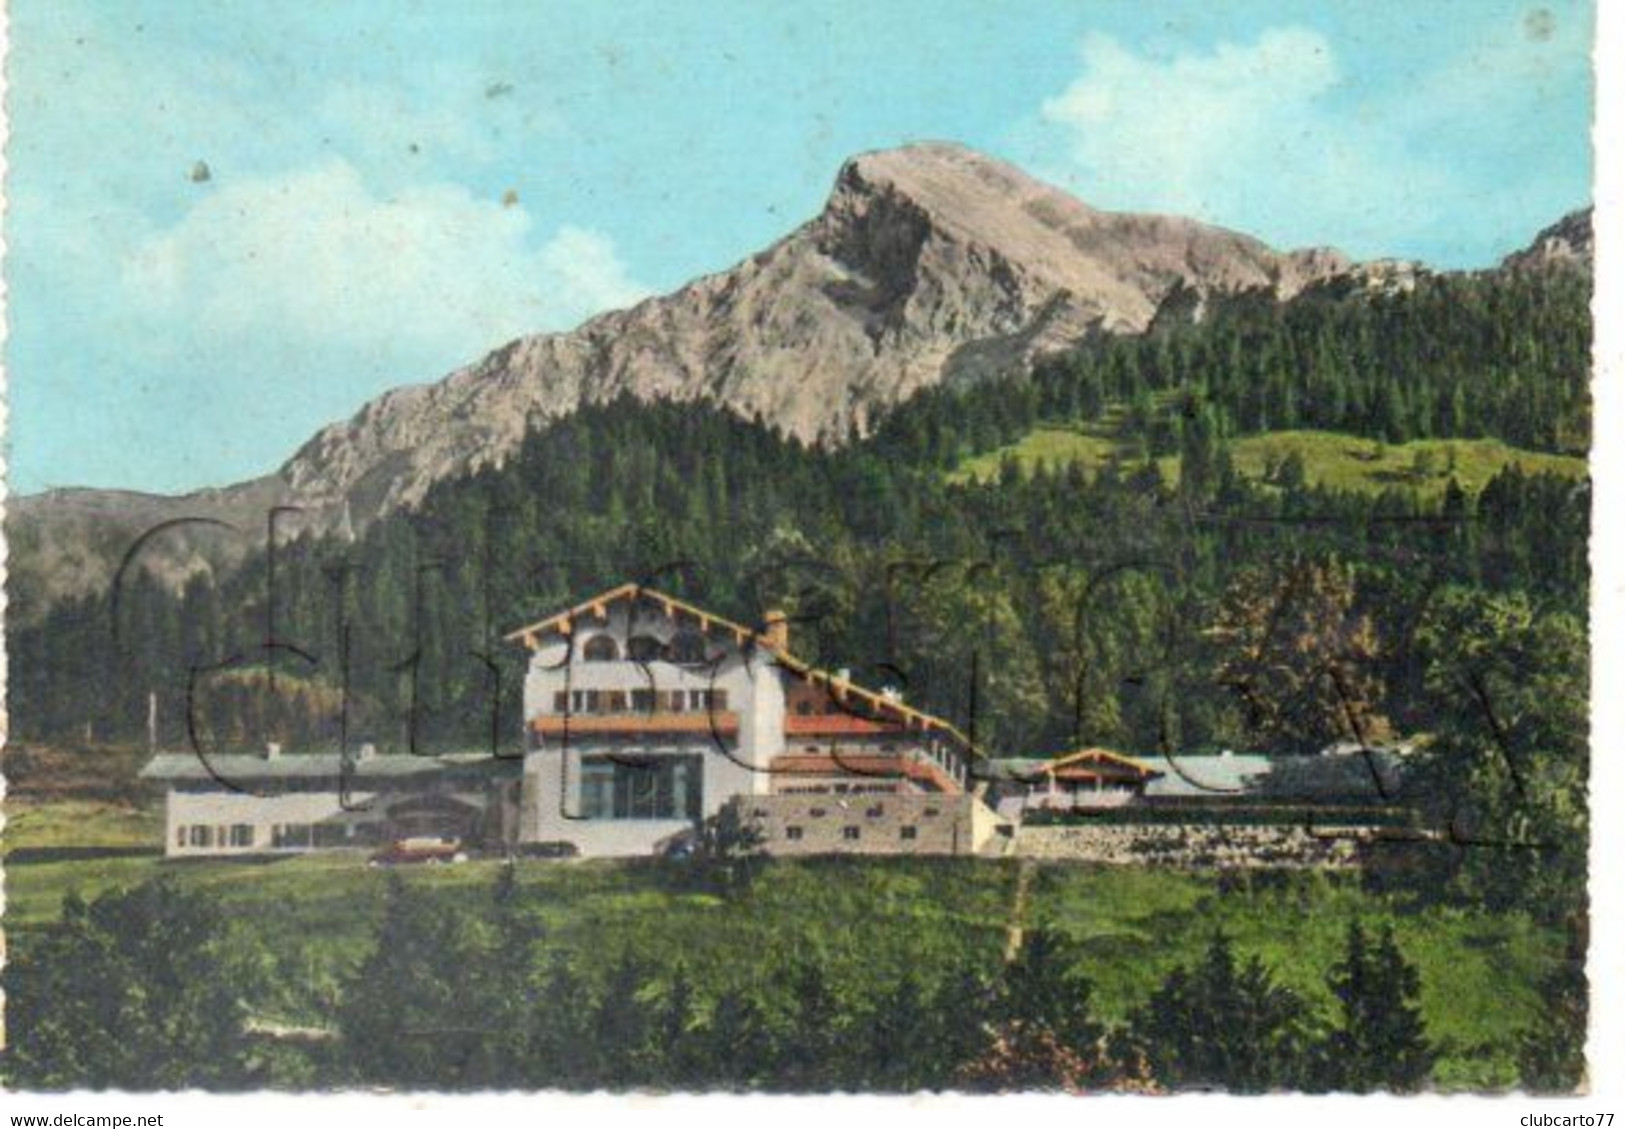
[1223,1026]
[561,1035]
[1379,1042]
[1551,1054]
[139,989]
[677,1060]
[739,1048]
[813,1049]
[621,1026]
[409,1014]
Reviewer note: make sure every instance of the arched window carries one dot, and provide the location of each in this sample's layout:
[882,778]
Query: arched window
[643,648]
[688,647]
[600,649]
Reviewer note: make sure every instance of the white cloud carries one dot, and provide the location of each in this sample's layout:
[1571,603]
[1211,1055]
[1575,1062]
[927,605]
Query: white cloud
[1249,135]
[429,273]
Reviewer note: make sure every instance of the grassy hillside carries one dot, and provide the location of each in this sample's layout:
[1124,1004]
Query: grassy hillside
[868,919]
[1330,459]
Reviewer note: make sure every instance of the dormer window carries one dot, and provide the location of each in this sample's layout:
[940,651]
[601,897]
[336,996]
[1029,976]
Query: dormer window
[600,649]
[688,647]
[643,648]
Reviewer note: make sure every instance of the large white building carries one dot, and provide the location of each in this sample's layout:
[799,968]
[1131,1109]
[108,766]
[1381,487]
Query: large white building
[644,715]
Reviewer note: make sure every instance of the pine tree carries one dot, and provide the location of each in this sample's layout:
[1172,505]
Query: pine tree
[812,1048]
[740,1050]
[1379,1042]
[138,990]
[675,1049]
[1223,1026]
[621,1025]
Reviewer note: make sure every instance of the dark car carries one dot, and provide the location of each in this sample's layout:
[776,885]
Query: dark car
[683,845]
[553,849]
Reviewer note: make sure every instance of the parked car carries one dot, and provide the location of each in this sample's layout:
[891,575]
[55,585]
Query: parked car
[553,849]
[683,845]
[420,849]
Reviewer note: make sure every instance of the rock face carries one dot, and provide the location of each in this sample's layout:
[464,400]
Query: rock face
[1567,243]
[929,263]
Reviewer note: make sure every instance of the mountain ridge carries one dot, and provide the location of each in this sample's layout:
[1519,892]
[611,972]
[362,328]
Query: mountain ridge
[928,263]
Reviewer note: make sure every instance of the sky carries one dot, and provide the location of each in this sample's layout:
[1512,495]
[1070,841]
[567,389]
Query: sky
[230,224]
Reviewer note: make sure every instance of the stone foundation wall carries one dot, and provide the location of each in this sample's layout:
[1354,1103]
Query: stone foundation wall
[895,824]
[1187,846]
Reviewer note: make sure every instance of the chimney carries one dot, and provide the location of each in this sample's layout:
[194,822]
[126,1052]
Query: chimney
[776,630]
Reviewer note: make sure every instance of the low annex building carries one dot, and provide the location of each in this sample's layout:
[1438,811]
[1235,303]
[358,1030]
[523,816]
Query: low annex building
[644,715]
[277,803]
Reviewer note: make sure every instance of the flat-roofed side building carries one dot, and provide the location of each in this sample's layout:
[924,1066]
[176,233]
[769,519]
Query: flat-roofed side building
[289,803]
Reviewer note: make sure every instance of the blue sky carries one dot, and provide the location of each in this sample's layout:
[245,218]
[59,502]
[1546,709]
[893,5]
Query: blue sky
[230,224]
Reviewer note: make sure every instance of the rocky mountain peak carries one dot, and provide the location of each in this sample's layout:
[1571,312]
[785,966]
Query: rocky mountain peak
[1568,242]
[928,263]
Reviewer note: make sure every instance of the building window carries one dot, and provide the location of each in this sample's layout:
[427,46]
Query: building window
[655,788]
[910,832]
[242,835]
[792,833]
[804,707]
[643,648]
[875,812]
[688,647]
[850,832]
[561,701]
[617,701]
[600,649]
[180,836]
[816,813]
[202,836]
[929,812]
[290,835]
[328,835]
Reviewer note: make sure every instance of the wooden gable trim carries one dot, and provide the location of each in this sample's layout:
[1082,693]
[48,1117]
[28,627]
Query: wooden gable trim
[530,636]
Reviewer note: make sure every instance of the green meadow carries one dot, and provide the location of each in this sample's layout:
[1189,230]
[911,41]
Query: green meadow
[868,919]
[1330,459]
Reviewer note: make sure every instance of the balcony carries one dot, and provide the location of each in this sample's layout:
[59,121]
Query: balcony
[919,771]
[840,725]
[638,723]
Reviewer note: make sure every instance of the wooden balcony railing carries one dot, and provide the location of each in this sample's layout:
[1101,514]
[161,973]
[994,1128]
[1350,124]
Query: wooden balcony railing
[723,723]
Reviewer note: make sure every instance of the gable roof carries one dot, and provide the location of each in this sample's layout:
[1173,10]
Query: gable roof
[1102,761]
[841,689]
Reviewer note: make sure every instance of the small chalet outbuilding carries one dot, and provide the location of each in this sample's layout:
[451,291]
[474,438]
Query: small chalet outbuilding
[1089,778]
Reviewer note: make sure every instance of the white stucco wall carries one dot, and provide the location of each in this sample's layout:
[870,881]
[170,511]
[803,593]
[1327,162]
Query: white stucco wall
[551,800]
[222,809]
